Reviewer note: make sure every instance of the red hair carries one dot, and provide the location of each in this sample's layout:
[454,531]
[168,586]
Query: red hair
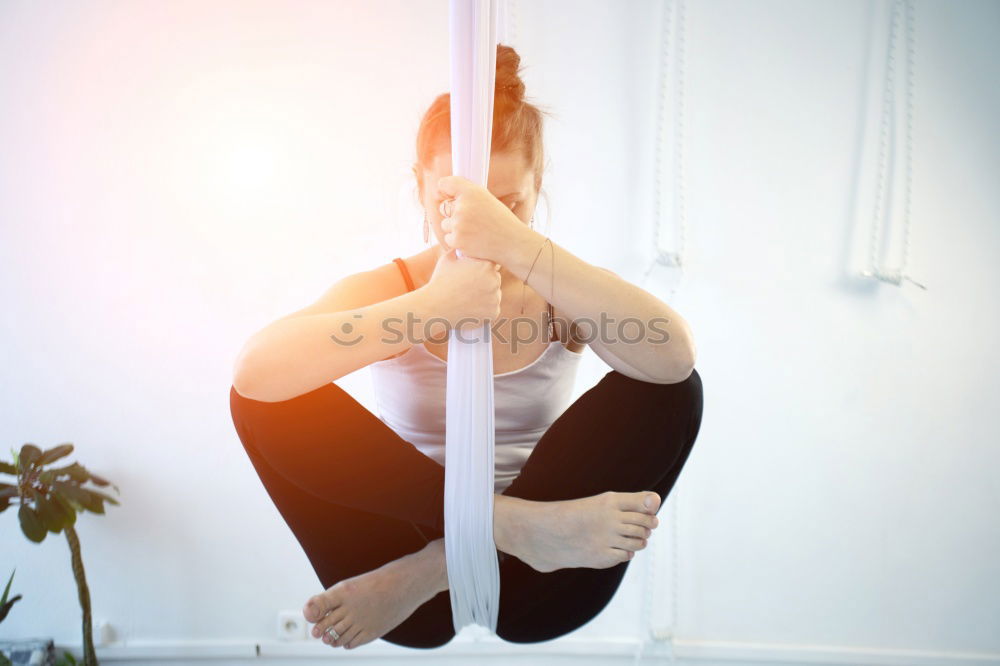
[517,124]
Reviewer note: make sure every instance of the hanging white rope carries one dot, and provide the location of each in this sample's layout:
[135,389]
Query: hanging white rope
[888,150]
[670,183]
[470,552]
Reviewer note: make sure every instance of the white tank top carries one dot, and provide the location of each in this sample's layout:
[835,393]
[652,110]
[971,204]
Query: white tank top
[410,394]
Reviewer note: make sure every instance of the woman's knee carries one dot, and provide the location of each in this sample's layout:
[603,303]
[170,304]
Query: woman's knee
[676,408]
[686,392]
[261,424]
[240,409]
[326,400]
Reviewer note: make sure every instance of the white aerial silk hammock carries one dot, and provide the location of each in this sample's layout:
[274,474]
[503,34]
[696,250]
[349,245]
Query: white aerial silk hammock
[470,552]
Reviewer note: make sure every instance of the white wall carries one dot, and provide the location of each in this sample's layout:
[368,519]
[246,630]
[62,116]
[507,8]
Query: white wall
[175,175]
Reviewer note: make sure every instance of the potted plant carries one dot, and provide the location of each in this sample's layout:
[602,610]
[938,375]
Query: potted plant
[5,603]
[5,606]
[48,500]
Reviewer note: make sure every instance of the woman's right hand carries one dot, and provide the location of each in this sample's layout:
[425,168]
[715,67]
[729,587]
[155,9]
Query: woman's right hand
[465,290]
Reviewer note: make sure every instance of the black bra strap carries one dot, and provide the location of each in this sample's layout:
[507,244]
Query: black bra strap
[405,272]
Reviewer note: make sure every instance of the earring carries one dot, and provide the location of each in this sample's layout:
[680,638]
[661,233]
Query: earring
[531,225]
[427,232]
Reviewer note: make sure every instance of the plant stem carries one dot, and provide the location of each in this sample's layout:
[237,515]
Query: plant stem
[89,655]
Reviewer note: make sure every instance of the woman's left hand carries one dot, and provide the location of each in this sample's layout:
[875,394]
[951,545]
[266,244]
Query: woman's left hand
[480,225]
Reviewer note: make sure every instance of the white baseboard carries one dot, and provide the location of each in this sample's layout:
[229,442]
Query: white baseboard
[493,650]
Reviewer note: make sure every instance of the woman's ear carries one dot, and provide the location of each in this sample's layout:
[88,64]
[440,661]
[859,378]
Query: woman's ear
[419,191]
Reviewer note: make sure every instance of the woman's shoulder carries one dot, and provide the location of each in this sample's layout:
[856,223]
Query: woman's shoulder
[394,280]
[420,266]
[387,280]
[365,287]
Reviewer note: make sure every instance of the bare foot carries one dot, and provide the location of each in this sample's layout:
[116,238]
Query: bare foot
[368,606]
[597,532]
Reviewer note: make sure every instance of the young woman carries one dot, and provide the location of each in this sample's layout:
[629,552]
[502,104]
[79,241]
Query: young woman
[578,486]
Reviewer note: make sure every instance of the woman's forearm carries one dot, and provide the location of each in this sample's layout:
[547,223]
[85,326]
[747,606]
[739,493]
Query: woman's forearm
[299,354]
[628,327]
[437,561]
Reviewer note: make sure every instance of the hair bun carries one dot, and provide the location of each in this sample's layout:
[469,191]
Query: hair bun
[508,82]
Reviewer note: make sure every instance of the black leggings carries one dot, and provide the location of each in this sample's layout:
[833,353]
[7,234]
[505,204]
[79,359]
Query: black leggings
[356,495]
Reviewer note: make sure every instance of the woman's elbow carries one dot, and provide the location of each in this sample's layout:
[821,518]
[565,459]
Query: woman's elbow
[242,383]
[247,376]
[682,364]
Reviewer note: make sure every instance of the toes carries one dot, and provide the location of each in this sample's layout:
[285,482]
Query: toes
[348,639]
[348,632]
[637,531]
[343,627]
[637,502]
[315,608]
[621,555]
[631,543]
[319,605]
[643,519]
[653,500]
[361,639]
[329,620]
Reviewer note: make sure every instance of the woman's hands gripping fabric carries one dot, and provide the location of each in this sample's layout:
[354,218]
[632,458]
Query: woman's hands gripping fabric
[479,224]
[465,291]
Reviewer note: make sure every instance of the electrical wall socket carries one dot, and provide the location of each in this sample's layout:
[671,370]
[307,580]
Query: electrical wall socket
[292,625]
[103,632]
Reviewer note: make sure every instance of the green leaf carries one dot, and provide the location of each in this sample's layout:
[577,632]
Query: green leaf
[75,471]
[91,500]
[6,606]
[50,513]
[106,498]
[67,506]
[67,513]
[29,454]
[100,480]
[71,491]
[6,590]
[61,471]
[55,453]
[95,504]
[31,524]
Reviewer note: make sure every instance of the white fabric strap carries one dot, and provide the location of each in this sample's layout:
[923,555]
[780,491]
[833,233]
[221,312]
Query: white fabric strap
[470,552]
